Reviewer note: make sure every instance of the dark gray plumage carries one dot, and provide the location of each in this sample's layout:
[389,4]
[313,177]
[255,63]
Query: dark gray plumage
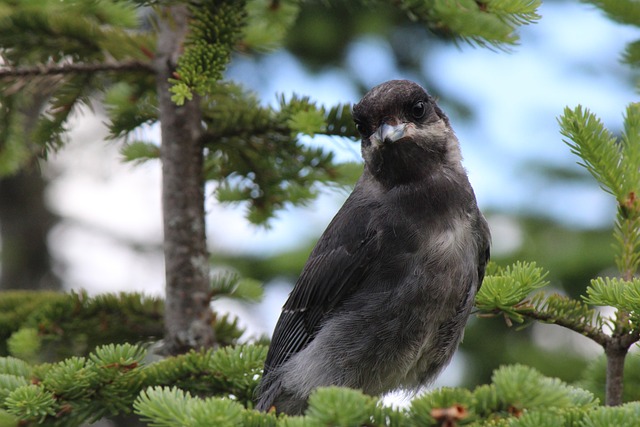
[383,300]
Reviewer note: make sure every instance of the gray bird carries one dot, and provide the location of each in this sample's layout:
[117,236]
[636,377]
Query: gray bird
[383,299]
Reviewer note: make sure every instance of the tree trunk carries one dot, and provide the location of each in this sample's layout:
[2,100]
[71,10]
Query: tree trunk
[25,218]
[616,355]
[188,315]
[25,222]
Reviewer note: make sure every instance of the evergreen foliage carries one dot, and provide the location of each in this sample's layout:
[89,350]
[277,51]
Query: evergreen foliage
[255,153]
[505,290]
[622,416]
[613,162]
[16,306]
[197,388]
[490,22]
[215,27]
[179,390]
[79,389]
[50,51]
[232,372]
[614,292]
[49,326]
[625,12]
[632,54]
[268,24]
[129,106]
[72,324]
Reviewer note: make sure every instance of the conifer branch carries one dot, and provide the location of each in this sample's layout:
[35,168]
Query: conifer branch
[586,330]
[629,339]
[75,68]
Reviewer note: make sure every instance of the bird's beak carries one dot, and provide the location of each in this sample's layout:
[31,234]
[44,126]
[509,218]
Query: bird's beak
[387,133]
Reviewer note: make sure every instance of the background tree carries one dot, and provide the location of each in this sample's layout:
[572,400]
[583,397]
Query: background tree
[26,222]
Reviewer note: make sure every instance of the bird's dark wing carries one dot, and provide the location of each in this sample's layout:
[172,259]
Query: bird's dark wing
[484,254]
[334,269]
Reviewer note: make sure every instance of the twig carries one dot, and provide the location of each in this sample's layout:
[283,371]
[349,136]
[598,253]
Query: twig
[586,330]
[75,68]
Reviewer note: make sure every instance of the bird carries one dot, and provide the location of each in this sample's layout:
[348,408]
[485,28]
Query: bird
[383,299]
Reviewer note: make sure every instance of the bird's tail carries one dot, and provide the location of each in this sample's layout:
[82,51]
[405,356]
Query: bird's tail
[267,391]
[271,395]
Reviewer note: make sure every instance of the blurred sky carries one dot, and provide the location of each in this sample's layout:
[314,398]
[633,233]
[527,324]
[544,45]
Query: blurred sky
[571,57]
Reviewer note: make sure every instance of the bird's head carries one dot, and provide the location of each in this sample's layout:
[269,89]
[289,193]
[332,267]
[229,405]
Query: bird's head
[404,133]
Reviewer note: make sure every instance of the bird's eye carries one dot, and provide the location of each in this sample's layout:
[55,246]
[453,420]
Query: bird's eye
[360,128]
[418,110]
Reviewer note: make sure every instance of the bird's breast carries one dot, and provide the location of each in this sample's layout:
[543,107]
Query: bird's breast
[448,241]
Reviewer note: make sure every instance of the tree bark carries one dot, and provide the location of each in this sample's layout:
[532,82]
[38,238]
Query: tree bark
[616,355]
[188,316]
